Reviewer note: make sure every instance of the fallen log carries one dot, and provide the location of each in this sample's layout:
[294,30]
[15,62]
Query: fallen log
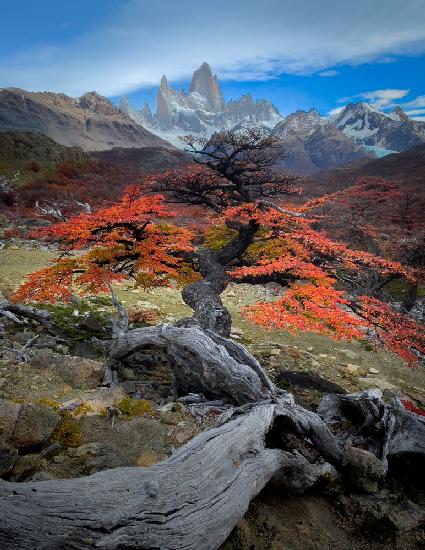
[191,500]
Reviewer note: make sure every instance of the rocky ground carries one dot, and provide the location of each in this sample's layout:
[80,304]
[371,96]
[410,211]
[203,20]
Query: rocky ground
[57,420]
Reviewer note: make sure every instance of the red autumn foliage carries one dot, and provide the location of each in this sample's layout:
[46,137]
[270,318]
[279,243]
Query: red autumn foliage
[235,179]
[120,241]
[409,406]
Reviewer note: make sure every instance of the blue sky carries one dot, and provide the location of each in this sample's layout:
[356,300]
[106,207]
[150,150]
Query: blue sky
[297,54]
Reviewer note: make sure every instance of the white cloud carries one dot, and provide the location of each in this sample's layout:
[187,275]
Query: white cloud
[417,103]
[335,112]
[384,98]
[143,39]
[330,72]
[415,112]
[380,99]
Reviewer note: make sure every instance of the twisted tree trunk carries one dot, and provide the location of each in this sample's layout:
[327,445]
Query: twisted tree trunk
[204,296]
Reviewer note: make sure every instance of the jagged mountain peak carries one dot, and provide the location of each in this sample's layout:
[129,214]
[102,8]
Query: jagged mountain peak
[202,110]
[206,85]
[384,132]
[300,123]
[398,111]
[96,103]
[164,83]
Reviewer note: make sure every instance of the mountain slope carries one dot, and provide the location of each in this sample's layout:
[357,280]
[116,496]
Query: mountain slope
[145,160]
[406,168]
[91,122]
[26,146]
[367,126]
[311,144]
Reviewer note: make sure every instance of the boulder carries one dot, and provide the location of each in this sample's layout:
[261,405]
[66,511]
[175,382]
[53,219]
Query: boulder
[26,466]
[362,469]
[9,413]
[34,426]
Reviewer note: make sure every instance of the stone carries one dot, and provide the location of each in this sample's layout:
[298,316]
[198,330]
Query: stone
[147,458]
[34,426]
[147,305]
[373,382]
[362,469]
[126,373]
[373,371]
[350,353]
[26,466]
[183,436]
[168,417]
[9,413]
[2,382]
[8,458]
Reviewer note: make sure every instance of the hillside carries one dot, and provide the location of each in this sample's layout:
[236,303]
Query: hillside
[16,147]
[407,168]
[144,160]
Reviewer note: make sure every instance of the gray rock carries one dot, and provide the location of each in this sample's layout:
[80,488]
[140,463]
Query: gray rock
[8,458]
[26,466]
[9,413]
[35,425]
[362,469]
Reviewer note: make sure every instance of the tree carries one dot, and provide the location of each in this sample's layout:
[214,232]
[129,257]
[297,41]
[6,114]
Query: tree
[120,241]
[378,215]
[207,485]
[235,176]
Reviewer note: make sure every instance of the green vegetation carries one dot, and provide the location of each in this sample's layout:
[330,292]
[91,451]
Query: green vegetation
[129,407]
[82,319]
[67,432]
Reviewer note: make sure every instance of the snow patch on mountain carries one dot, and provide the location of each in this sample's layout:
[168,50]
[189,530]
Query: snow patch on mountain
[368,126]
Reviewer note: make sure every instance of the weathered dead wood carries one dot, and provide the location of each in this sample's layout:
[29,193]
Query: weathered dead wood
[192,500]
[201,361]
[384,429]
[15,311]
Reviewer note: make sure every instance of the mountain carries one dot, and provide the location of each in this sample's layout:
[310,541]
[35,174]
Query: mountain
[311,144]
[406,168]
[201,111]
[91,121]
[389,132]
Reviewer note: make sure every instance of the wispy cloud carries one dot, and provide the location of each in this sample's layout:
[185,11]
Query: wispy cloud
[328,73]
[418,103]
[380,99]
[133,46]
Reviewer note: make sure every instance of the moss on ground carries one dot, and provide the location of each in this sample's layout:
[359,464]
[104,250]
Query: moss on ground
[67,432]
[130,407]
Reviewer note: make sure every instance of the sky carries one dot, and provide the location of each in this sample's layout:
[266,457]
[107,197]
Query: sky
[302,54]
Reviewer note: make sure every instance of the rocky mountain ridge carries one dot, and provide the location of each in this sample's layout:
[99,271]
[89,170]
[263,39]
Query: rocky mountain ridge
[91,121]
[310,144]
[390,132]
[201,111]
